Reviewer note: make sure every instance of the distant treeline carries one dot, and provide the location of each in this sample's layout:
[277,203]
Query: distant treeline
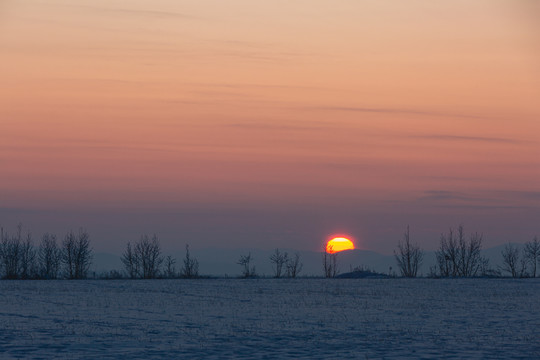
[460,256]
[52,259]
[71,257]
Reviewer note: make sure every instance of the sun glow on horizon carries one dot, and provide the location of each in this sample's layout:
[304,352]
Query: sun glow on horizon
[338,244]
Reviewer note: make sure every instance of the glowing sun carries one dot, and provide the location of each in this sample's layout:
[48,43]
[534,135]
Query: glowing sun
[338,244]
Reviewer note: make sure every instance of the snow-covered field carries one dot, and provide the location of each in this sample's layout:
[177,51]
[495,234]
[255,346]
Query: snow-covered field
[271,318]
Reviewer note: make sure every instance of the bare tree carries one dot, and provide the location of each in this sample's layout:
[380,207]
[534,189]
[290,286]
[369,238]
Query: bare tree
[27,252]
[170,270]
[458,257]
[410,256]
[278,259]
[49,257]
[144,259]
[131,262]
[68,255]
[149,253]
[470,257]
[330,264]
[294,266]
[190,269]
[10,248]
[532,254]
[76,254]
[510,256]
[245,263]
[523,262]
[447,255]
[83,258]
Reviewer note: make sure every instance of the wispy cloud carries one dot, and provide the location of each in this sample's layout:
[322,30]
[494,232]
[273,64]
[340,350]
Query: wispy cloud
[256,86]
[483,207]
[395,111]
[491,199]
[284,127]
[139,12]
[519,194]
[466,138]
[445,195]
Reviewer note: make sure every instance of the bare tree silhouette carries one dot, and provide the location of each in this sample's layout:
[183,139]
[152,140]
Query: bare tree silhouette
[410,256]
[170,269]
[458,257]
[532,254]
[510,256]
[330,264]
[10,248]
[294,266]
[76,254]
[49,257]
[149,252]
[28,269]
[278,259]
[131,262]
[245,263]
[190,269]
[144,260]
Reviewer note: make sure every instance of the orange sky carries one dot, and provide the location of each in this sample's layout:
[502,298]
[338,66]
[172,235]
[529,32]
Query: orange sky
[280,121]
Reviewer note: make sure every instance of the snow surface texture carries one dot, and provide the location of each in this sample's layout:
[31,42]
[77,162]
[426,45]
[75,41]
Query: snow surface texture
[271,318]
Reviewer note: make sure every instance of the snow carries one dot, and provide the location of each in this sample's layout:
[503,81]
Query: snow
[271,318]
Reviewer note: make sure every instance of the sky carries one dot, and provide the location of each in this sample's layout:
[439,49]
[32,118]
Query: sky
[266,124]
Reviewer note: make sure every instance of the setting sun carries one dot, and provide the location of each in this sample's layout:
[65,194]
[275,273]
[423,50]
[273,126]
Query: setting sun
[338,244]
